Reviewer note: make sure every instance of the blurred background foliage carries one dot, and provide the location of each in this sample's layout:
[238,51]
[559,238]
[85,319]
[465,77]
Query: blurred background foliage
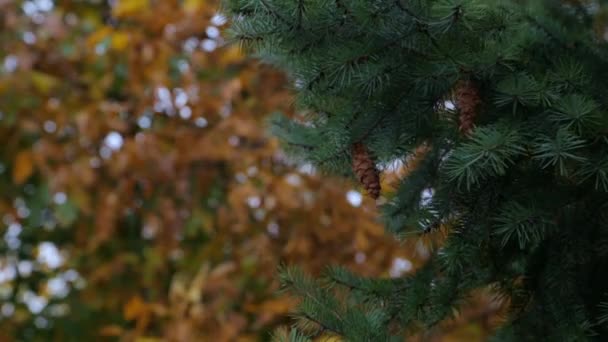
[140,197]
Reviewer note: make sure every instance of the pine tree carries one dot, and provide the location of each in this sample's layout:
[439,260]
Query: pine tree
[508,99]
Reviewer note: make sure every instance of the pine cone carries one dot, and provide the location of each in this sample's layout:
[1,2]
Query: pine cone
[467,102]
[365,170]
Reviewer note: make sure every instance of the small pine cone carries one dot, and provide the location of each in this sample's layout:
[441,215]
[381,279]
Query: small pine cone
[467,102]
[365,170]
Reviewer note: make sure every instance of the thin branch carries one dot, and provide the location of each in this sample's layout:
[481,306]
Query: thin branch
[302,146]
[321,324]
[276,14]
[408,11]
[300,14]
[424,29]
[345,149]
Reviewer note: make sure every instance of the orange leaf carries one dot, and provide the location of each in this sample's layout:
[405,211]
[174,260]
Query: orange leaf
[134,308]
[279,306]
[111,330]
[193,6]
[23,167]
[231,55]
[120,41]
[125,8]
[329,338]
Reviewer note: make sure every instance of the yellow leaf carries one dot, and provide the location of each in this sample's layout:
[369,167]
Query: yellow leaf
[129,7]
[274,306]
[231,55]
[99,35]
[111,330]
[198,283]
[44,83]
[208,221]
[193,6]
[147,339]
[468,332]
[134,308]
[329,338]
[4,84]
[120,41]
[23,167]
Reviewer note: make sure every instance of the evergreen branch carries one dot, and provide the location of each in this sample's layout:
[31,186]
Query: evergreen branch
[341,23]
[276,14]
[284,127]
[547,32]
[386,48]
[300,13]
[345,150]
[322,325]
[489,184]
[315,80]
[302,290]
[368,287]
[407,11]
[360,139]
[439,49]
[303,146]
[366,57]
[423,27]
[572,46]
[321,29]
[479,315]
[340,5]
[580,9]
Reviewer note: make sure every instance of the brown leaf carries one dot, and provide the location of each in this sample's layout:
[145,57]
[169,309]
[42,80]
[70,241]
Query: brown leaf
[23,166]
[134,308]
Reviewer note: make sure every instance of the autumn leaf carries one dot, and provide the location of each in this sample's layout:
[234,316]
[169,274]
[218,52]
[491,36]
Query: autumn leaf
[124,8]
[148,339]
[23,166]
[198,283]
[232,54]
[120,40]
[134,308]
[43,82]
[97,36]
[273,306]
[193,6]
[329,338]
[112,330]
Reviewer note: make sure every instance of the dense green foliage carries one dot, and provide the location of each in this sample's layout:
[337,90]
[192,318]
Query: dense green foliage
[523,196]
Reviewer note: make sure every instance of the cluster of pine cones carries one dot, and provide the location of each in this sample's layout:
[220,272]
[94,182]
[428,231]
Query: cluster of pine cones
[467,101]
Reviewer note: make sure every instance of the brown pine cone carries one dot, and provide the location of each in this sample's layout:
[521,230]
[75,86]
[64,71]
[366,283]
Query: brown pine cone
[365,170]
[467,102]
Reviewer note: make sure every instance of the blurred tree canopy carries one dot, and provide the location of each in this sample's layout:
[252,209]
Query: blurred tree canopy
[139,194]
[140,197]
